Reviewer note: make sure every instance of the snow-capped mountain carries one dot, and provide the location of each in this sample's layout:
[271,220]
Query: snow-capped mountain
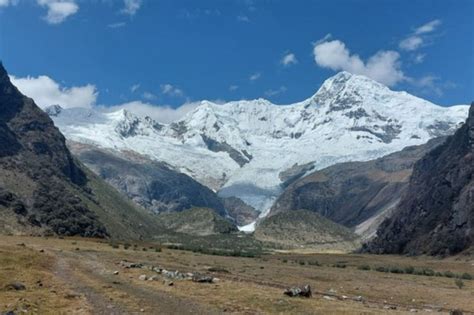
[246,148]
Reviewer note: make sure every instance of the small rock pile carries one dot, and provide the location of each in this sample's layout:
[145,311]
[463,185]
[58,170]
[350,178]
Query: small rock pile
[169,275]
[304,291]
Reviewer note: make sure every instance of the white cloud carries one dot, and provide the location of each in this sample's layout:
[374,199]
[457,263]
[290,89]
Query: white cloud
[45,92]
[233,88]
[255,76]
[149,96]
[418,38]
[243,18]
[131,7]
[420,58]
[411,43]
[134,88]
[6,3]
[116,25]
[428,27]
[163,114]
[430,84]
[383,67]
[58,10]
[280,90]
[171,90]
[289,59]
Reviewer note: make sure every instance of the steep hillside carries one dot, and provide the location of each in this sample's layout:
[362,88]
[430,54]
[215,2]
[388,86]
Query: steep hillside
[358,195]
[305,229]
[250,149]
[44,190]
[436,215]
[152,185]
[197,221]
[238,210]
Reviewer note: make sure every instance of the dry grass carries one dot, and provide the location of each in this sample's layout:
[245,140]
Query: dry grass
[251,285]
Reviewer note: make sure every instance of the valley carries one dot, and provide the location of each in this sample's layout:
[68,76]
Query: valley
[84,276]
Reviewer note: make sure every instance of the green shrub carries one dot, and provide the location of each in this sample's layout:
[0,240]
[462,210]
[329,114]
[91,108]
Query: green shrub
[466,276]
[409,270]
[340,265]
[396,270]
[448,274]
[428,272]
[364,267]
[459,283]
[302,263]
[285,260]
[314,263]
[381,269]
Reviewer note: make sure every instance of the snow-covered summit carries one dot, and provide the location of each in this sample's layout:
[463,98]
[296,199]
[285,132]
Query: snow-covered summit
[250,148]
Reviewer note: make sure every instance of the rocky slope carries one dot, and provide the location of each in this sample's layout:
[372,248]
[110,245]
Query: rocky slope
[151,184]
[306,229]
[197,221]
[250,149]
[436,215]
[358,195]
[239,211]
[44,190]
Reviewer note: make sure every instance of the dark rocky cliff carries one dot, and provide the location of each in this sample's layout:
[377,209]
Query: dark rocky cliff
[436,214]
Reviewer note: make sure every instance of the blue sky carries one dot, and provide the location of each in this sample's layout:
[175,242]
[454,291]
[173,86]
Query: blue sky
[170,52]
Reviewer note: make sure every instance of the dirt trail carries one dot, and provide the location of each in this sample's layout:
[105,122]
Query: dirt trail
[86,275]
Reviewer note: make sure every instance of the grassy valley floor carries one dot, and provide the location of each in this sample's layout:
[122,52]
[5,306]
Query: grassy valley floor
[81,276]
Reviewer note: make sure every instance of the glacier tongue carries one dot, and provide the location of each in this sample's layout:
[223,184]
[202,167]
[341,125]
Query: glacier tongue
[241,148]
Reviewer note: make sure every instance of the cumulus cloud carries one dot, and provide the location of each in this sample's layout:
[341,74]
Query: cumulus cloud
[383,66]
[271,92]
[131,7]
[58,10]
[289,59]
[45,92]
[171,90]
[255,76]
[418,38]
[163,114]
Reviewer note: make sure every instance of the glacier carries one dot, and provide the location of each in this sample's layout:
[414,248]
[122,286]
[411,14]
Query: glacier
[244,148]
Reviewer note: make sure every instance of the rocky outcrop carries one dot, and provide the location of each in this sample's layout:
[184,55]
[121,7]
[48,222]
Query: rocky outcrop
[36,169]
[436,214]
[43,189]
[238,210]
[153,185]
[355,194]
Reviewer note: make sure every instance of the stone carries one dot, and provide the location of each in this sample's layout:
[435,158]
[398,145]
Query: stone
[305,291]
[202,278]
[17,286]
[142,277]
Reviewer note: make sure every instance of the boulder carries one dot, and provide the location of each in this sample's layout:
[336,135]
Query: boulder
[202,278]
[304,291]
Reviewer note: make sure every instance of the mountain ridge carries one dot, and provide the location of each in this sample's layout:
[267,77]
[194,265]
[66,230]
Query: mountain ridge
[248,144]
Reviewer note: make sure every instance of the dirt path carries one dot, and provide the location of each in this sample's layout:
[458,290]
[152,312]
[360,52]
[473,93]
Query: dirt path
[86,275]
